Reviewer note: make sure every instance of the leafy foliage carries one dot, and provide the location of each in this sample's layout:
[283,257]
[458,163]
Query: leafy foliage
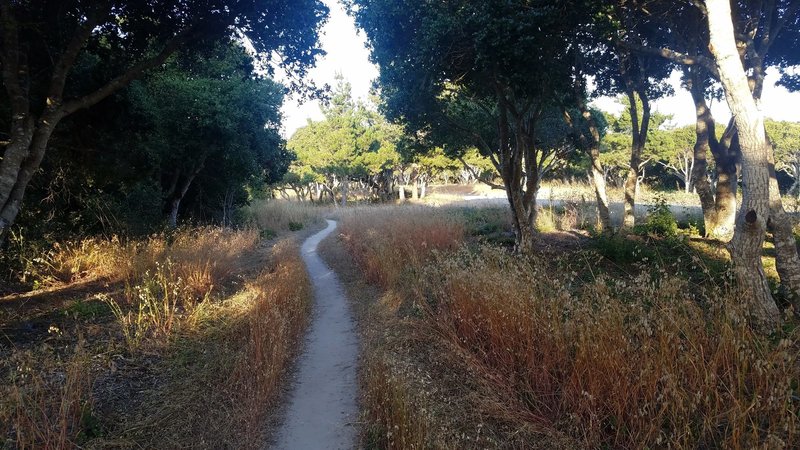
[111,168]
[353,141]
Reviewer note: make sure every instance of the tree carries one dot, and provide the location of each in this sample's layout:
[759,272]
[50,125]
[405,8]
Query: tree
[119,167]
[766,34]
[674,150]
[615,155]
[785,138]
[761,202]
[352,142]
[587,133]
[43,41]
[462,74]
[209,118]
[640,77]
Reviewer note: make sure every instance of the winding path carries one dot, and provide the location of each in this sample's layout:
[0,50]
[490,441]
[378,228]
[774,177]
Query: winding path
[322,405]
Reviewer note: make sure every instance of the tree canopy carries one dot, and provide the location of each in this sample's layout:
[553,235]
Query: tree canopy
[46,44]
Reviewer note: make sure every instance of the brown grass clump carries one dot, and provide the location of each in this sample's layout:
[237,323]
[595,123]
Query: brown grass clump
[48,405]
[619,363]
[203,257]
[630,361]
[394,416]
[275,326]
[87,259]
[393,240]
[168,278]
[225,372]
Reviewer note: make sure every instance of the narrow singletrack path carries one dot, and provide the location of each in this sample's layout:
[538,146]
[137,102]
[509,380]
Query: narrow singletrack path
[322,404]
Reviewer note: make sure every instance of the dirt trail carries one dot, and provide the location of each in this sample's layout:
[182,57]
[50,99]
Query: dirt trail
[322,405]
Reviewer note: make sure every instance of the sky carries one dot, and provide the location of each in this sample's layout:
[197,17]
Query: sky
[347,54]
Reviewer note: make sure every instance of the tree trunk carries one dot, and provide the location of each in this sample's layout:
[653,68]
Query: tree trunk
[761,202]
[174,206]
[719,208]
[29,136]
[509,164]
[401,193]
[524,219]
[21,160]
[345,186]
[415,189]
[592,146]
[638,141]
[178,192]
[319,191]
[725,197]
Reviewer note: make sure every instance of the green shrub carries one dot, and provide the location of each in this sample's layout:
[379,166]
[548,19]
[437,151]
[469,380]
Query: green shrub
[295,226]
[619,249]
[660,220]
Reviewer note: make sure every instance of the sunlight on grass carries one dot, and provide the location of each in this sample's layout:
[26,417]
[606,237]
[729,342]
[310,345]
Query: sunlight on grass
[648,358]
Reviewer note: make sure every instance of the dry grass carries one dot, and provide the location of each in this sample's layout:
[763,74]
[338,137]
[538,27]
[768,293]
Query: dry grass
[202,257]
[184,363]
[568,217]
[583,192]
[634,361]
[396,419]
[277,216]
[620,363]
[225,372]
[48,404]
[394,240]
[276,324]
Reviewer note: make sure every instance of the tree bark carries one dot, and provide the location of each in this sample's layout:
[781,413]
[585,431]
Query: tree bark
[761,204]
[591,144]
[719,207]
[178,190]
[345,188]
[638,142]
[519,169]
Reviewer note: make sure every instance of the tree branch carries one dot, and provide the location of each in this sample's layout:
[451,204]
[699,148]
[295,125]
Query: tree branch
[70,54]
[133,73]
[791,12]
[471,170]
[674,56]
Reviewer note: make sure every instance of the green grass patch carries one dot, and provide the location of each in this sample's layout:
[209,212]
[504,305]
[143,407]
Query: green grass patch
[88,309]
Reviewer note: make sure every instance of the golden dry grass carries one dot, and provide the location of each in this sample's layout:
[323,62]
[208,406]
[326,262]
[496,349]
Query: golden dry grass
[278,216]
[48,400]
[215,322]
[388,241]
[227,369]
[630,361]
